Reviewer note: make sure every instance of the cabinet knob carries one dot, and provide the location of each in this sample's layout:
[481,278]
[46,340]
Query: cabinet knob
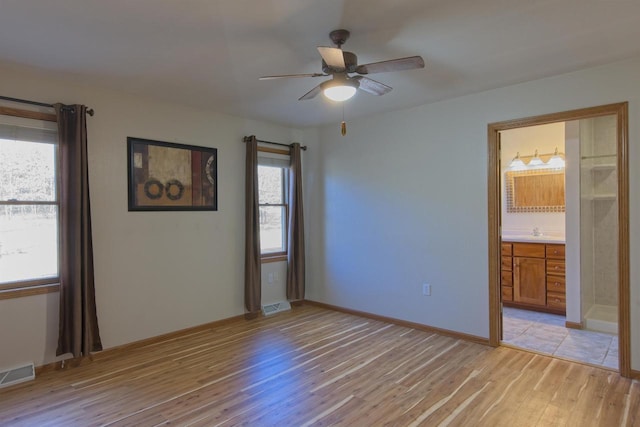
[557,284]
[557,299]
[556,267]
[555,252]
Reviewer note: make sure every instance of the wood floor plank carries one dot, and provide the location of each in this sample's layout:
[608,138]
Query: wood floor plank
[314,367]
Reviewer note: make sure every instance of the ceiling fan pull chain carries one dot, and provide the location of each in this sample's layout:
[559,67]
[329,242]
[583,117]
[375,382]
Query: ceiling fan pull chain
[343,125]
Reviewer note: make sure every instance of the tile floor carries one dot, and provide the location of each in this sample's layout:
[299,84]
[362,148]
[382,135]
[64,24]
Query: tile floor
[546,333]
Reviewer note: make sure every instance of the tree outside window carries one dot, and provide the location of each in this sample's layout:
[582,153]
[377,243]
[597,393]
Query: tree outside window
[29,208]
[273,210]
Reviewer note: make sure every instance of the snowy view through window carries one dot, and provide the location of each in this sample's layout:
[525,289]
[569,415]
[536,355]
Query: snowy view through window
[273,217]
[28,211]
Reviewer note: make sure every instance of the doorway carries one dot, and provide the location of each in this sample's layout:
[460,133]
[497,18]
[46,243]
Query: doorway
[619,111]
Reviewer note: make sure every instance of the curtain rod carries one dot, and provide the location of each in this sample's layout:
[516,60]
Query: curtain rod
[39,104]
[246,139]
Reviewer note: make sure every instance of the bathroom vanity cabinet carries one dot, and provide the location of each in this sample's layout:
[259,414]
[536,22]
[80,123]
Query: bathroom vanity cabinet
[533,276]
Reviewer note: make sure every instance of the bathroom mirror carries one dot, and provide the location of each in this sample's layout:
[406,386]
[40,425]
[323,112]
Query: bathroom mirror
[535,190]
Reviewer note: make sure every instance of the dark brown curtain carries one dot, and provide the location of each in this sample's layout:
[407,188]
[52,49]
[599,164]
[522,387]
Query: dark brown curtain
[295,270]
[78,328]
[252,266]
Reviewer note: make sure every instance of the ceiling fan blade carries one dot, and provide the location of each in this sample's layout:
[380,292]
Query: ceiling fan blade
[409,63]
[371,86]
[282,76]
[333,57]
[312,93]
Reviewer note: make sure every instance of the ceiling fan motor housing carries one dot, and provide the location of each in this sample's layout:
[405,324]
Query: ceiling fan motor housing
[339,37]
[350,62]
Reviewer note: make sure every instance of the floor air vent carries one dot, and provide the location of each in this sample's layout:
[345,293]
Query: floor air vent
[270,309]
[17,375]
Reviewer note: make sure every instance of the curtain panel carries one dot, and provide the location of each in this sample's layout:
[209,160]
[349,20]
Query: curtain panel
[296,252]
[78,327]
[252,262]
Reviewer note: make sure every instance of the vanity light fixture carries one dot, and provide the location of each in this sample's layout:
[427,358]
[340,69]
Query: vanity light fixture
[517,163]
[536,161]
[556,161]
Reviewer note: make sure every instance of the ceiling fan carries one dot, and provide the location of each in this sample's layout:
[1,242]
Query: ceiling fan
[340,64]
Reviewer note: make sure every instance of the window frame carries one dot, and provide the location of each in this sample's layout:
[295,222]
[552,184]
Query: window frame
[281,255]
[23,288]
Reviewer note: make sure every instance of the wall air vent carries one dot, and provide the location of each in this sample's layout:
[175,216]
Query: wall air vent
[17,375]
[270,309]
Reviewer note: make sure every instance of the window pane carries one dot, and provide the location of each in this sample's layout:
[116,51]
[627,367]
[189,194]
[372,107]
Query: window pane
[27,171]
[28,242]
[21,129]
[270,185]
[272,229]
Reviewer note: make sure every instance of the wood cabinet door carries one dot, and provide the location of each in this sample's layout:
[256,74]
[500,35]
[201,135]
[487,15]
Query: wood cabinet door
[529,280]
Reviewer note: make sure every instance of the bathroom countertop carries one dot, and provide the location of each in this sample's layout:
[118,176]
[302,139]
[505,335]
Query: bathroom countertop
[530,238]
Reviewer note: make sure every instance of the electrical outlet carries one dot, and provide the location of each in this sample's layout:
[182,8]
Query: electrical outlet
[426,289]
[270,277]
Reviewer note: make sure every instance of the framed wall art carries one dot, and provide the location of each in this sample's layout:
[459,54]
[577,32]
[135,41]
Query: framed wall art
[171,177]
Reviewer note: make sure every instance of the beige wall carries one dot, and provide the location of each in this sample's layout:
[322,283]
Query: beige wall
[404,201]
[156,272]
[545,139]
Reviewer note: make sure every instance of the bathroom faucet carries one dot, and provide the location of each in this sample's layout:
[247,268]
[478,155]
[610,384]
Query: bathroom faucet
[536,231]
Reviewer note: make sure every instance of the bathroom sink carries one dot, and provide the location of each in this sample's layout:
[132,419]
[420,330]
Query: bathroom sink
[543,238]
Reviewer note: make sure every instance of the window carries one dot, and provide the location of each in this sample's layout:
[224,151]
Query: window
[29,203]
[272,189]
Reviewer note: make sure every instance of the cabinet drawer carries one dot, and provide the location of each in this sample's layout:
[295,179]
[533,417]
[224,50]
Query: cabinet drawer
[507,293]
[506,249]
[531,250]
[555,251]
[555,267]
[556,284]
[506,278]
[506,263]
[556,300]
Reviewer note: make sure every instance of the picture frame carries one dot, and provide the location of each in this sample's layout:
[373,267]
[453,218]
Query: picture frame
[164,176]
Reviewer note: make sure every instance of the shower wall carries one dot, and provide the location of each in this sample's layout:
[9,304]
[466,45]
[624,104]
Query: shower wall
[599,212]
[587,282]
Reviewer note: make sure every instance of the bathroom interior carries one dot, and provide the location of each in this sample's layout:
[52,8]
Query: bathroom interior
[559,231]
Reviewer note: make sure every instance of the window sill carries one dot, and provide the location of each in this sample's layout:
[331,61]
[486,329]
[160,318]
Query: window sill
[273,258]
[29,291]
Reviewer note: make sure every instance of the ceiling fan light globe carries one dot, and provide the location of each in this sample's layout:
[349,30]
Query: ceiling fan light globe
[339,93]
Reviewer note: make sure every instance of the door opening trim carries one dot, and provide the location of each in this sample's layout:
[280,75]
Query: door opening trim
[620,110]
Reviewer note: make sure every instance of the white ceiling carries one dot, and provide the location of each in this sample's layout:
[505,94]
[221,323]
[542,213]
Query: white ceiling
[209,53]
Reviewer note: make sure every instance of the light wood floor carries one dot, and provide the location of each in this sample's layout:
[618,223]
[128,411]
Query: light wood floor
[318,367]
